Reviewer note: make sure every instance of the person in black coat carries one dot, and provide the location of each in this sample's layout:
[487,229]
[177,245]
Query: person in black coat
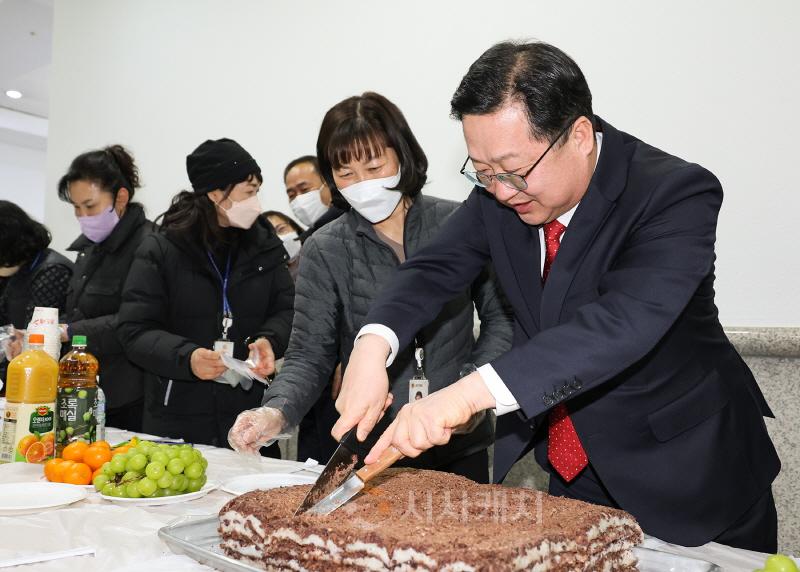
[212,280]
[31,274]
[100,185]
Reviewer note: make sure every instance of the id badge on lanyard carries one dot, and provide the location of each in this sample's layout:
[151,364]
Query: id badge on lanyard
[224,345]
[418,385]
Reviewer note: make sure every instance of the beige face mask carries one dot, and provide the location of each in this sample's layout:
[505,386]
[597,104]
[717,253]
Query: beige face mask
[6,271]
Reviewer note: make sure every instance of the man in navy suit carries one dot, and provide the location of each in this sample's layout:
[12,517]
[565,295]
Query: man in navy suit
[620,376]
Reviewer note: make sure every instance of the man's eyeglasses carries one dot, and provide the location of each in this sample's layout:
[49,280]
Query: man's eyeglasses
[514,181]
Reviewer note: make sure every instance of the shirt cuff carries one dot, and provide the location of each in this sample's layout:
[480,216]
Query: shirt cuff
[387,334]
[505,402]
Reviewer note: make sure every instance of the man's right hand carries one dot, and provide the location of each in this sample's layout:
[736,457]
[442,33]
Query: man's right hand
[207,364]
[365,388]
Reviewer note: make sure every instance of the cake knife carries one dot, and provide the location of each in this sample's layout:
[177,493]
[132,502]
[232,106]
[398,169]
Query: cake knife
[355,484]
[349,456]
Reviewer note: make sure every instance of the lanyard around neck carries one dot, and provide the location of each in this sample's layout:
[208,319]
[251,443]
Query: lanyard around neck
[227,316]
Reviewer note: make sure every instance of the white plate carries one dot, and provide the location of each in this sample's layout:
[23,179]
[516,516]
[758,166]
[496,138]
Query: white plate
[246,483]
[209,486]
[25,498]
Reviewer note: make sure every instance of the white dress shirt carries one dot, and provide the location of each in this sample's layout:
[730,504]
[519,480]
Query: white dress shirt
[505,401]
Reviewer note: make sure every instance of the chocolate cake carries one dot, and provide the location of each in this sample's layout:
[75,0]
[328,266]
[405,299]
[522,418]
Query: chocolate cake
[426,520]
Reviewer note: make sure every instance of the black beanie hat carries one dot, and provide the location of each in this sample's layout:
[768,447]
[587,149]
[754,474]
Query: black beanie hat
[217,164]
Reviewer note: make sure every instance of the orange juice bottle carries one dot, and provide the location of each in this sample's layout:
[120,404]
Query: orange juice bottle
[28,428]
[76,404]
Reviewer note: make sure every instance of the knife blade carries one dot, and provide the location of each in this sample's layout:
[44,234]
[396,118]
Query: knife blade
[349,456]
[355,484]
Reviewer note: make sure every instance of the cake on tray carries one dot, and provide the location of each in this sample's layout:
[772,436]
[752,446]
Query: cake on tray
[409,519]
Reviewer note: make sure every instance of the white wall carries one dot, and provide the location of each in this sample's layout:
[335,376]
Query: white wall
[22,177]
[713,82]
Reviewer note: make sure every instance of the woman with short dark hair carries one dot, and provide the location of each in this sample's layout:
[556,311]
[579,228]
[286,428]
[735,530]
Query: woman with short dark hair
[376,168]
[212,281]
[100,185]
[31,274]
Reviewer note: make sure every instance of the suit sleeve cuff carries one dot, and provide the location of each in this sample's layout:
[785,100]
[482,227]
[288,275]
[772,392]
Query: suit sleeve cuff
[387,334]
[502,396]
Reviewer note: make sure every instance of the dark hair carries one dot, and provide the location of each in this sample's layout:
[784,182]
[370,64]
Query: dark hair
[299,161]
[193,217]
[361,127]
[111,167]
[21,237]
[542,77]
[287,219]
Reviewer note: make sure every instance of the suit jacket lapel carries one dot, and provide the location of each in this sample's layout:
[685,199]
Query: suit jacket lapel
[607,183]
[522,252]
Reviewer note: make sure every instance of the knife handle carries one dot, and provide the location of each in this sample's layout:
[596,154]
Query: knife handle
[388,458]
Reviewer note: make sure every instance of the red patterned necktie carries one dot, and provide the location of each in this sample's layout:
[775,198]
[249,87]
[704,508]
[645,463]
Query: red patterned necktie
[564,449]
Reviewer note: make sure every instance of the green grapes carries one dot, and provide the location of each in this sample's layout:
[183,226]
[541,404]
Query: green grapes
[152,470]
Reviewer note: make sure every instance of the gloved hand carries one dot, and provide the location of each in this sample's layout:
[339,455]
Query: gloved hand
[256,428]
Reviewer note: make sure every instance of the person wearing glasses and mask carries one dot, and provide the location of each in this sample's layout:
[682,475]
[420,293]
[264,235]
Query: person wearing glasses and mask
[309,196]
[369,154]
[620,376]
[212,281]
[100,186]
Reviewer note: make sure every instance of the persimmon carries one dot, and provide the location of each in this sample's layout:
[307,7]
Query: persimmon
[95,456]
[74,451]
[59,469]
[78,474]
[49,469]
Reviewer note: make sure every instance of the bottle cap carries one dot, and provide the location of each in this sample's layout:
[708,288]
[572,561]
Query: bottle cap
[78,340]
[36,339]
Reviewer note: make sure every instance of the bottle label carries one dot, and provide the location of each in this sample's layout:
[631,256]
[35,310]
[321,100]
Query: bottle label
[76,420]
[27,435]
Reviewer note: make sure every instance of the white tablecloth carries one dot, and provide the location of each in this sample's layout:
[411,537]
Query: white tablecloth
[125,537]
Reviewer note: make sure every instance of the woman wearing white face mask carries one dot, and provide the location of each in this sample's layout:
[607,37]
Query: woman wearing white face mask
[100,186]
[213,281]
[289,232]
[374,164]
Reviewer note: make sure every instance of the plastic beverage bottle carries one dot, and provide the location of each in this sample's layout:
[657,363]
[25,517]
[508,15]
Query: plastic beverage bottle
[100,412]
[77,396]
[28,428]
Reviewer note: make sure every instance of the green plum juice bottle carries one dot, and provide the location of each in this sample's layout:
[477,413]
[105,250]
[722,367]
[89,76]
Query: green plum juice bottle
[76,402]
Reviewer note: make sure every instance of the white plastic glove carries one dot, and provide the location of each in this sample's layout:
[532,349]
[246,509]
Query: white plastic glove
[256,428]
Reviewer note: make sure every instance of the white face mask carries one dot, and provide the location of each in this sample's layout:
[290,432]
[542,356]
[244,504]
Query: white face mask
[372,198]
[244,213]
[308,207]
[291,242]
[6,271]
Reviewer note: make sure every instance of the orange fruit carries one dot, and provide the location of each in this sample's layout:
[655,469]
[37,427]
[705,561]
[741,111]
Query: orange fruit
[120,450]
[59,469]
[74,451]
[103,444]
[25,443]
[96,456]
[35,453]
[98,471]
[78,474]
[49,469]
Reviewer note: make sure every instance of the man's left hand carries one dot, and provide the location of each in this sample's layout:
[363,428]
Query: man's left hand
[262,356]
[431,421]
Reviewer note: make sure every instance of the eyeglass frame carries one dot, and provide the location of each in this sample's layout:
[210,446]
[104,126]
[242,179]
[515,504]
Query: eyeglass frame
[523,178]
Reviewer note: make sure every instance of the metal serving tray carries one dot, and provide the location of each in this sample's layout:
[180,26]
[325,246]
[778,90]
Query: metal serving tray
[197,537]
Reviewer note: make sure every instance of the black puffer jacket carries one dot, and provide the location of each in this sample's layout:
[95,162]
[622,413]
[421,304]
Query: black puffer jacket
[41,282]
[95,294]
[342,269]
[172,305]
